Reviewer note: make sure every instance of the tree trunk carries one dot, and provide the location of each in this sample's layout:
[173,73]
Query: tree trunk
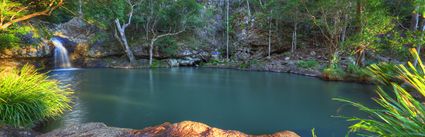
[80,8]
[249,9]
[414,26]
[227,29]
[121,31]
[415,21]
[359,13]
[155,38]
[418,48]
[270,35]
[294,38]
[151,52]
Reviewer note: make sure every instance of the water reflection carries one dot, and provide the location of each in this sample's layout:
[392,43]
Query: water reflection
[252,102]
[69,78]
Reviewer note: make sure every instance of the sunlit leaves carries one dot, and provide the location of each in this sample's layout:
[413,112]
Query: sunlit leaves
[399,114]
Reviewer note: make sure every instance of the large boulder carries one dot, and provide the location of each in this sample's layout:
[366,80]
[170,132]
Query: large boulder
[182,129]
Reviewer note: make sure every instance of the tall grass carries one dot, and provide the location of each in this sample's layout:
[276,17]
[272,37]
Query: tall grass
[399,113]
[28,97]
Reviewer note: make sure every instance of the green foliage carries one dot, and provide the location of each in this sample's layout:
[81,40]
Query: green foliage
[308,64]
[248,64]
[168,13]
[102,12]
[384,73]
[334,71]
[9,41]
[157,64]
[399,114]
[27,97]
[15,11]
[374,20]
[11,38]
[357,71]
[168,46]
[313,133]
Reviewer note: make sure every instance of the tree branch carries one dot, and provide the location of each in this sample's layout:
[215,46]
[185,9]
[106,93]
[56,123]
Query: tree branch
[168,34]
[45,12]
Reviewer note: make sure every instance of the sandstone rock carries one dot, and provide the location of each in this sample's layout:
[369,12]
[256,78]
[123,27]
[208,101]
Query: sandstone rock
[182,129]
[195,129]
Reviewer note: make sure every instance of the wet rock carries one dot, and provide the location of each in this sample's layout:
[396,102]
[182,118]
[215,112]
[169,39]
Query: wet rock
[88,130]
[182,129]
[189,61]
[14,132]
[173,63]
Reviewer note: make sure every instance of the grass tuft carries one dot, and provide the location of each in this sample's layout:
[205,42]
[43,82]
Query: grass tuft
[28,97]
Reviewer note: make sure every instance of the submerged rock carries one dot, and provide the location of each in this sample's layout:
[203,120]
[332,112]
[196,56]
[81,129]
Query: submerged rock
[182,129]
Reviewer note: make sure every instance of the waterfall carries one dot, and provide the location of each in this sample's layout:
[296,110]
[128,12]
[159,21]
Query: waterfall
[61,55]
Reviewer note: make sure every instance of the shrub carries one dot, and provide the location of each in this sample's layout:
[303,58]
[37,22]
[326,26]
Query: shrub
[9,41]
[12,38]
[399,114]
[248,64]
[333,73]
[27,97]
[357,71]
[168,46]
[384,73]
[307,64]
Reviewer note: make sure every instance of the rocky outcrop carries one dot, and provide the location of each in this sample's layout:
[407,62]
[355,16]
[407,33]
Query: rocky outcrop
[182,129]
[13,132]
[41,51]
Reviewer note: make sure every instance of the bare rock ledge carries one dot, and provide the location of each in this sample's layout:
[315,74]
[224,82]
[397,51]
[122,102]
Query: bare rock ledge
[182,129]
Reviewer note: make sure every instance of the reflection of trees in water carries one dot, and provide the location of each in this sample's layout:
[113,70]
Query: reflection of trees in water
[125,91]
[70,79]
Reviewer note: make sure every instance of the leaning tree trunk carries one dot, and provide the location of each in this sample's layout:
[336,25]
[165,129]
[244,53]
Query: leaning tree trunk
[121,31]
[123,38]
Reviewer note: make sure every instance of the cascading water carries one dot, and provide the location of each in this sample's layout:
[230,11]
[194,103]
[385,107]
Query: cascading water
[61,55]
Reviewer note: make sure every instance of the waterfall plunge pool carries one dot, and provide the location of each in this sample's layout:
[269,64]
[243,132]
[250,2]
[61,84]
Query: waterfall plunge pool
[251,102]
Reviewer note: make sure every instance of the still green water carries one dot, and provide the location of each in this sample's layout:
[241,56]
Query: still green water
[251,102]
